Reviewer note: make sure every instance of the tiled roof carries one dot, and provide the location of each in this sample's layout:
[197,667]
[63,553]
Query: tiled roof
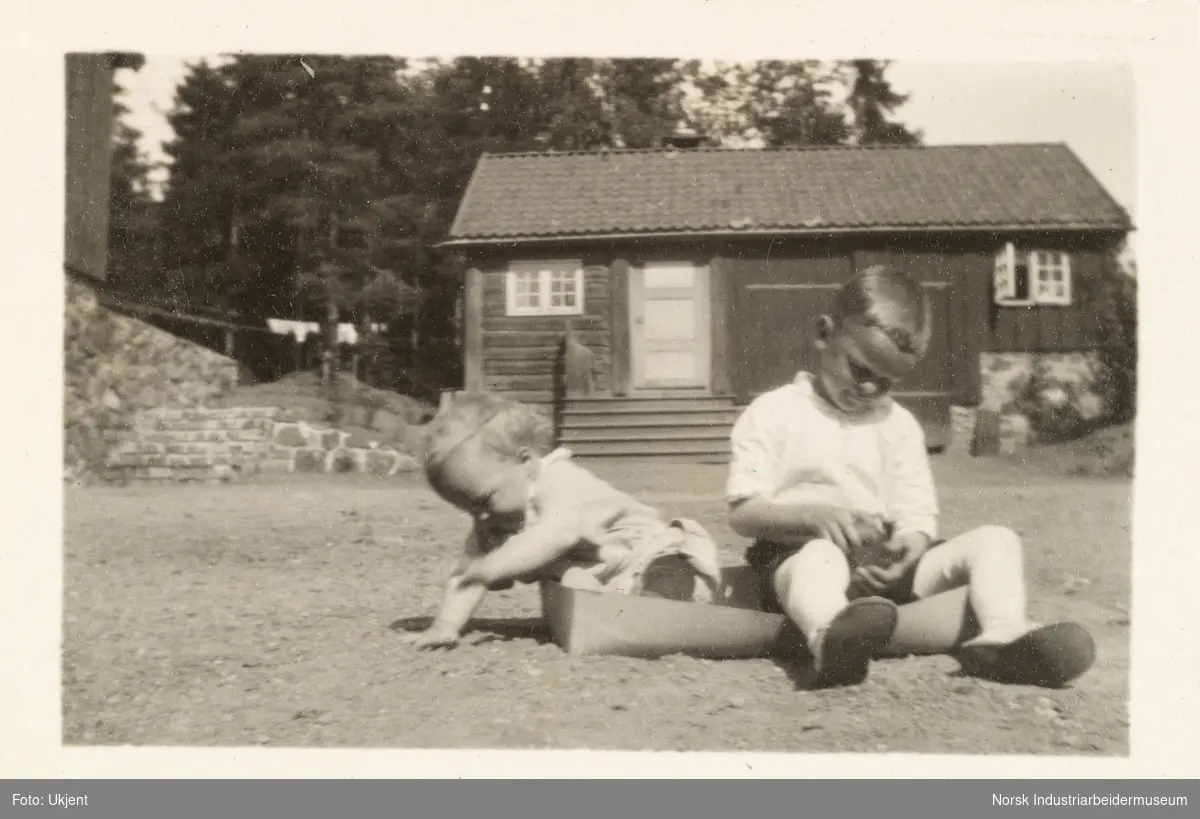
[513,196]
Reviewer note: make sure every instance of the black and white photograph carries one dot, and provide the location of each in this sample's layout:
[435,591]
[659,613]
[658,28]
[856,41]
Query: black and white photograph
[760,411]
[575,400]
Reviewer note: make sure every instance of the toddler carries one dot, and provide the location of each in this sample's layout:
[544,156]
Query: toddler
[539,516]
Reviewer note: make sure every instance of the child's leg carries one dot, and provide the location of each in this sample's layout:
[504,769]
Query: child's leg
[842,637]
[811,586]
[990,562]
[937,624]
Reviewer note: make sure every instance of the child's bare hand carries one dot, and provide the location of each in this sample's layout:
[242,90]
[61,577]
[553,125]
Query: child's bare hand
[878,579]
[438,635]
[847,529]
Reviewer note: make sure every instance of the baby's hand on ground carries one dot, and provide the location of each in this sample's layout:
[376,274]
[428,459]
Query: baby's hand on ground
[438,635]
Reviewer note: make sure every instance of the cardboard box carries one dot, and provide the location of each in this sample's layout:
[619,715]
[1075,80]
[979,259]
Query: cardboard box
[734,626]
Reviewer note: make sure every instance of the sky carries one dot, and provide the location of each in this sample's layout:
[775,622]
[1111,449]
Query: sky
[1088,106]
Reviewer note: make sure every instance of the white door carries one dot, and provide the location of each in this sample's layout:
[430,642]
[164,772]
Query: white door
[670,320]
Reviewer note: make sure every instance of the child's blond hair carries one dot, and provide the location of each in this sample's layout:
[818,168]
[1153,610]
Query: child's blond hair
[503,426]
[910,323]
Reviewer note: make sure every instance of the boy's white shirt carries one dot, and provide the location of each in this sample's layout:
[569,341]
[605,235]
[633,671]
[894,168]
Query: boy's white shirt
[791,445]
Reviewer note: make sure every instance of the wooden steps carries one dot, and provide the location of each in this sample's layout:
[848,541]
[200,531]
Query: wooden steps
[687,428]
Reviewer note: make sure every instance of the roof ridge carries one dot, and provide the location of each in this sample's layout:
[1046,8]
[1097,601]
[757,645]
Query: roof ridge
[718,149]
[1103,189]
[806,187]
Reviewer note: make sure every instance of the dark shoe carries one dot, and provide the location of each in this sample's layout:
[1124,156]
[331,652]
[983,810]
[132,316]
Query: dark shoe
[1050,657]
[856,635]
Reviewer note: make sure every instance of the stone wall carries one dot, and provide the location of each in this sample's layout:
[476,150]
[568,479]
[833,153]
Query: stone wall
[116,366]
[1005,375]
[302,447]
[231,443]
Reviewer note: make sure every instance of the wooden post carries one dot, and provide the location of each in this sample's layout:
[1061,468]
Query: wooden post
[618,300]
[721,299]
[970,324]
[229,343]
[473,331]
[89,79]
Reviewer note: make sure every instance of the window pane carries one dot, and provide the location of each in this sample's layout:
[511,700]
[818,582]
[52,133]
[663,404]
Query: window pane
[525,290]
[562,289]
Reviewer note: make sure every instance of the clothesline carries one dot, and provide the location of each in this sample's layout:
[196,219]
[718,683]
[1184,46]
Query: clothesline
[347,333]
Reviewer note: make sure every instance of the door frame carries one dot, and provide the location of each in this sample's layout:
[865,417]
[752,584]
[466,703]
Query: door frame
[702,288]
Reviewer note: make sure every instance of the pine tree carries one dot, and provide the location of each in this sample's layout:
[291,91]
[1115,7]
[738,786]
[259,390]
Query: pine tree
[133,247]
[778,103]
[872,100]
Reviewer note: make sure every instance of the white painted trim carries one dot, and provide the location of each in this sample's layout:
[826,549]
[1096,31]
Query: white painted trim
[543,268]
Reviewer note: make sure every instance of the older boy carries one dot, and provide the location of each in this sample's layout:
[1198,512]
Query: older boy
[547,518]
[838,428]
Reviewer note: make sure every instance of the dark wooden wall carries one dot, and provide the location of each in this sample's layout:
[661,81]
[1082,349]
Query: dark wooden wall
[957,281]
[1048,329]
[89,84]
[515,355]
[777,295]
[778,291]
[766,298]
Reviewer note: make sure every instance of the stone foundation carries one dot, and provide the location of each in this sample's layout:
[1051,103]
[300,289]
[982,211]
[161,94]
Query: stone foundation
[228,443]
[116,367]
[301,447]
[1005,375]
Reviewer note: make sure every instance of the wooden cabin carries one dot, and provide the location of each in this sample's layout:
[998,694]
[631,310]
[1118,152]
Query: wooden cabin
[696,276]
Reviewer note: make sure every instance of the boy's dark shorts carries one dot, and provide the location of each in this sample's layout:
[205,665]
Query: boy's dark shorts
[765,558]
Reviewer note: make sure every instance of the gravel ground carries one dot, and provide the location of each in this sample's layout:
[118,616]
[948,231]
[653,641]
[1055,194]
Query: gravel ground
[271,614]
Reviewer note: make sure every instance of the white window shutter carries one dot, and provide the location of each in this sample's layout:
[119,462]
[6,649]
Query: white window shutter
[1004,275]
[510,293]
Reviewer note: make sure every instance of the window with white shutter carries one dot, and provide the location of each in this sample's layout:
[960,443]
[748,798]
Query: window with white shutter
[1021,277]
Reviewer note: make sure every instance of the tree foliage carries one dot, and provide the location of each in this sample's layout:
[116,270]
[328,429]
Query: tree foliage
[873,102]
[133,245]
[315,186]
[1113,302]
